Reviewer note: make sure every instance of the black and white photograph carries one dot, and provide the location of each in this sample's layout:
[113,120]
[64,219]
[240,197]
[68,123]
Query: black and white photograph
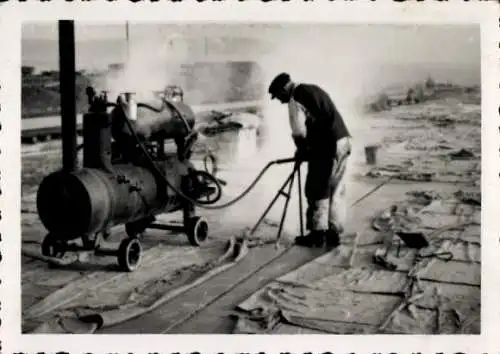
[250,178]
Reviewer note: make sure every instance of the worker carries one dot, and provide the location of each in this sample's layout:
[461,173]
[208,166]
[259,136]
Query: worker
[323,140]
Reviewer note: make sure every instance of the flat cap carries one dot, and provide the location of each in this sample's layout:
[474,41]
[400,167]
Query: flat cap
[278,83]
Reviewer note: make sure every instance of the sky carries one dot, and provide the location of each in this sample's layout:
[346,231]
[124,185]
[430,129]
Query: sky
[349,59]
[41,30]
[457,44]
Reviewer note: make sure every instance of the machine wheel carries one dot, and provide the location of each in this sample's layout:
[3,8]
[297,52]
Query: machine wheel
[197,231]
[52,247]
[129,254]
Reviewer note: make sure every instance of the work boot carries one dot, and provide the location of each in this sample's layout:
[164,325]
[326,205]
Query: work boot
[332,239]
[313,239]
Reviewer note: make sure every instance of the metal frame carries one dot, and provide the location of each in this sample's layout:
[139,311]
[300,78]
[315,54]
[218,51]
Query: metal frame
[288,184]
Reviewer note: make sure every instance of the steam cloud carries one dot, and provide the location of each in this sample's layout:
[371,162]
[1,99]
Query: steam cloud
[349,62]
[316,56]
[155,61]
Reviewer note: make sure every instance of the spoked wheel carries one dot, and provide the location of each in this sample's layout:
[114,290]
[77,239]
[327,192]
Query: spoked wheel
[129,254]
[197,231]
[53,247]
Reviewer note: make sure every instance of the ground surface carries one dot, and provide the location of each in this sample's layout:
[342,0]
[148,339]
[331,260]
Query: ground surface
[430,151]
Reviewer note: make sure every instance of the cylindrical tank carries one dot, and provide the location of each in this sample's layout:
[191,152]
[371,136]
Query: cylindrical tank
[90,200]
[154,122]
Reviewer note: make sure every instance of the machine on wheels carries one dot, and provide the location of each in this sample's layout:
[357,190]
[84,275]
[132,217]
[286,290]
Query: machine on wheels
[127,178]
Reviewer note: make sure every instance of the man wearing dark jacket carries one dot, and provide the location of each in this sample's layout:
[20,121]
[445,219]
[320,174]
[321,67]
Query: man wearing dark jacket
[325,143]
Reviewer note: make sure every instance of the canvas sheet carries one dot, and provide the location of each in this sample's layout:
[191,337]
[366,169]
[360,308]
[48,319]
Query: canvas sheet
[391,288]
[102,299]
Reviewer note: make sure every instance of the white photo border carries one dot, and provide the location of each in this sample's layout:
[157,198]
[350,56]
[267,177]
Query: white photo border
[14,13]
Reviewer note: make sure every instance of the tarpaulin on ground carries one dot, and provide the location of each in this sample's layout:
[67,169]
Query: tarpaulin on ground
[394,289]
[438,142]
[104,299]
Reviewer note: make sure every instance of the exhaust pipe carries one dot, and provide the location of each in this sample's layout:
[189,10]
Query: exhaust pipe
[67,88]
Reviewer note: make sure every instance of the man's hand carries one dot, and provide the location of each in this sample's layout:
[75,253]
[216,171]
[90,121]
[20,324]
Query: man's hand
[301,154]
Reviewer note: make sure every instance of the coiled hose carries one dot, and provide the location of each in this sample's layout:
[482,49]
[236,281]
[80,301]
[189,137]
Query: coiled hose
[194,202]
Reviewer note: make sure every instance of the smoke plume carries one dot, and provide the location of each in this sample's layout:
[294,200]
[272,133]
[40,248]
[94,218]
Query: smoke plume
[155,60]
[349,62]
[314,57]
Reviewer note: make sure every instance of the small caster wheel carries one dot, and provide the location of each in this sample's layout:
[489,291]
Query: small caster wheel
[197,231]
[52,247]
[129,254]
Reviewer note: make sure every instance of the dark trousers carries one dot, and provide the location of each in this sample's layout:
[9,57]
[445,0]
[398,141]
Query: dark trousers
[325,192]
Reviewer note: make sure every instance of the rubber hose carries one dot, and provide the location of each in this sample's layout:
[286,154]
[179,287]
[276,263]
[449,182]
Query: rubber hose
[219,189]
[194,202]
[189,129]
[214,163]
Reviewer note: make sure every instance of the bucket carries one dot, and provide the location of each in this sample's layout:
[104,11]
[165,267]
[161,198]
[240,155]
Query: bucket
[371,154]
